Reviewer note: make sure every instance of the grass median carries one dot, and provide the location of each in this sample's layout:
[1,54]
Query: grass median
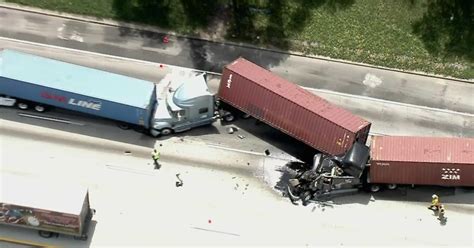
[419,35]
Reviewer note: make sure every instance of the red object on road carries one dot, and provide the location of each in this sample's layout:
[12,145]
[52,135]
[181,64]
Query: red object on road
[165,39]
[290,108]
[422,160]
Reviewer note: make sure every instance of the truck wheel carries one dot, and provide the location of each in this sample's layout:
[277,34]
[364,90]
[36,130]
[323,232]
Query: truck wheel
[123,126]
[392,186]
[40,109]
[166,131]
[229,118]
[374,188]
[45,234]
[22,106]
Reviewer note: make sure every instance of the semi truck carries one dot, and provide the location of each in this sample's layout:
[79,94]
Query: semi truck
[180,101]
[51,208]
[388,162]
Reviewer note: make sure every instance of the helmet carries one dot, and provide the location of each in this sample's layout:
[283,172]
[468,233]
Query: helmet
[434,196]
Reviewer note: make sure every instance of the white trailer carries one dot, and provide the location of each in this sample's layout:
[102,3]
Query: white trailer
[50,208]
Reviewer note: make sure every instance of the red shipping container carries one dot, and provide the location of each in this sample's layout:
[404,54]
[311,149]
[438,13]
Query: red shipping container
[422,160]
[290,108]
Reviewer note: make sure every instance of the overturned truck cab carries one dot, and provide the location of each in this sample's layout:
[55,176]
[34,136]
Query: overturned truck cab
[331,175]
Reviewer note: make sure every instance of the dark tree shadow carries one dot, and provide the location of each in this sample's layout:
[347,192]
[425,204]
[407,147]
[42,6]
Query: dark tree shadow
[182,15]
[284,18]
[447,28]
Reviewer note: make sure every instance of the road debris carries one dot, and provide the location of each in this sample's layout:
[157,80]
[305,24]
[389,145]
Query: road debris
[241,136]
[267,152]
[179,183]
[230,130]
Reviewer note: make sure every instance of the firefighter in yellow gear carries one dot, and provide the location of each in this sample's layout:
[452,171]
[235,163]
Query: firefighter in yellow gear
[155,155]
[435,203]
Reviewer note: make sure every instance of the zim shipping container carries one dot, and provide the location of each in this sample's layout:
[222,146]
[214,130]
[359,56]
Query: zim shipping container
[290,108]
[76,88]
[44,206]
[422,160]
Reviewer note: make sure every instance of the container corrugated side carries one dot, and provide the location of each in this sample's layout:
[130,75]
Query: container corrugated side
[271,99]
[76,102]
[422,160]
[74,78]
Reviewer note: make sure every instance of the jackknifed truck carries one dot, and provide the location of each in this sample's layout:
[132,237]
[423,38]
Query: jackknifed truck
[50,208]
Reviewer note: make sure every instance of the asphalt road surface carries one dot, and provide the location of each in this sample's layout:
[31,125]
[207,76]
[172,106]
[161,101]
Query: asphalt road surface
[388,118]
[203,55]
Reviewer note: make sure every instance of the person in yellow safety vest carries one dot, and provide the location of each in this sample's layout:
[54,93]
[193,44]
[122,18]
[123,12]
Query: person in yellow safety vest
[155,155]
[435,203]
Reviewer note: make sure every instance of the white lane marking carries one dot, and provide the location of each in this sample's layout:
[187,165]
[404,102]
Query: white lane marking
[447,111]
[371,80]
[74,36]
[50,119]
[219,74]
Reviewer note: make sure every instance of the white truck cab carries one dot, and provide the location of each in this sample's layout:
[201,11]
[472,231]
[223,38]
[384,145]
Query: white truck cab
[183,102]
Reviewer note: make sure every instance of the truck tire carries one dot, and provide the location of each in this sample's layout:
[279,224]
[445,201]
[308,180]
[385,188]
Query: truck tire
[229,118]
[374,188]
[391,186]
[40,108]
[123,126]
[22,106]
[45,234]
[166,131]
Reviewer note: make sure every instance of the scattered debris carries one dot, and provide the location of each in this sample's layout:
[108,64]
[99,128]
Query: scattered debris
[248,163]
[181,139]
[180,182]
[241,136]
[233,177]
[267,152]
[161,144]
[127,152]
[230,130]
[215,231]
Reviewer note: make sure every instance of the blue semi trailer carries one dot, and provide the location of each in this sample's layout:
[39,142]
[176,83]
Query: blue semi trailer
[178,102]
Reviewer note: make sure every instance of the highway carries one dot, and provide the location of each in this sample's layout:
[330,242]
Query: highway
[231,190]
[322,74]
[230,194]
